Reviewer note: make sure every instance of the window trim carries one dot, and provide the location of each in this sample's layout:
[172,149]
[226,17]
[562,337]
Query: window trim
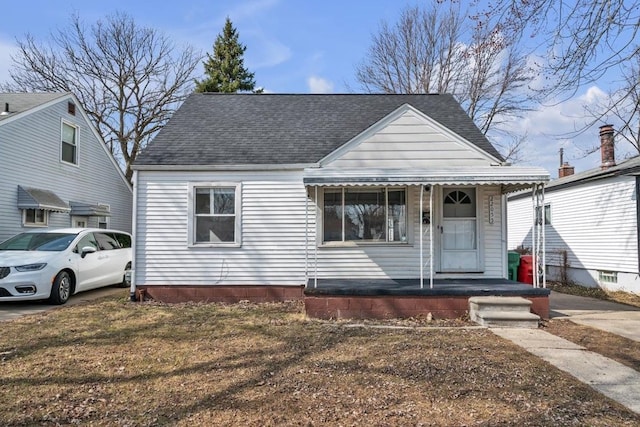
[342,243]
[44,223]
[76,145]
[191,241]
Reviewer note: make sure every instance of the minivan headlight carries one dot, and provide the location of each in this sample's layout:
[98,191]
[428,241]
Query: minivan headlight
[31,267]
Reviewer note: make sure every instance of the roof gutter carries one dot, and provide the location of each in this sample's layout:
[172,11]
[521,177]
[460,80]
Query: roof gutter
[233,167]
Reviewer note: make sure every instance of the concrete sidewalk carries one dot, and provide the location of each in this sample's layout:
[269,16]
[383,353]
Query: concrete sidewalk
[607,376]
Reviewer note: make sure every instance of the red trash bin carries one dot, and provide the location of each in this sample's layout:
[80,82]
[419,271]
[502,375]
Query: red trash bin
[525,269]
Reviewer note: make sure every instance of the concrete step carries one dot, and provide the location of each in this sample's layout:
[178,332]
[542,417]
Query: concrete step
[496,311]
[496,303]
[504,319]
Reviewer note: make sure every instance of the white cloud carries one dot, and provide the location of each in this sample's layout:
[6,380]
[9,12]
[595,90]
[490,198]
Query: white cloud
[319,85]
[264,51]
[561,125]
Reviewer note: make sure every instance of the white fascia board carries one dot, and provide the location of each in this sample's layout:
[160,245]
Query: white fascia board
[238,167]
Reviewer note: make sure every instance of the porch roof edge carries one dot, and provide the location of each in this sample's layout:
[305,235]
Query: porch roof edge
[450,176]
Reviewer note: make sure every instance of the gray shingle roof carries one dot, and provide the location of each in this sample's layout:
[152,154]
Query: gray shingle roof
[231,129]
[629,166]
[20,102]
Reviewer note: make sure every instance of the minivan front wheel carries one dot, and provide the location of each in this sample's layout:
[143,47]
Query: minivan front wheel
[61,289]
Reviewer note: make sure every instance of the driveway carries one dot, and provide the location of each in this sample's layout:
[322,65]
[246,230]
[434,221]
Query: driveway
[620,319]
[13,310]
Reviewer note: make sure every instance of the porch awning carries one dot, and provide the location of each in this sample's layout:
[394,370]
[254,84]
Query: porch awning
[510,177]
[36,198]
[87,209]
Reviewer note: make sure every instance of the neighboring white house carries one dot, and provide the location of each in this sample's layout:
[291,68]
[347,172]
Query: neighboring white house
[56,170]
[591,223]
[274,191]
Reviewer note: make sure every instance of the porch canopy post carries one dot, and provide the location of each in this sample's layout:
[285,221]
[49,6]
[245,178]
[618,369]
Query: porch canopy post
[421,233]
[315,244]
[430,238]
[538,249]
[306,236]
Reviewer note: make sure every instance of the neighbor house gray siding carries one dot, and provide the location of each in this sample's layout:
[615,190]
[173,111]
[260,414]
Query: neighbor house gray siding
[30,145]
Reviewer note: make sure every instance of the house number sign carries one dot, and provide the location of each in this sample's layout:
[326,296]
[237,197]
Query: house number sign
[490,209]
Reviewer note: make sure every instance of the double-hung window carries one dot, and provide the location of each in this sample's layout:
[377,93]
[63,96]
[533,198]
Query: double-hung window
[69,149]
[34,217]
[215,215]
[365,215]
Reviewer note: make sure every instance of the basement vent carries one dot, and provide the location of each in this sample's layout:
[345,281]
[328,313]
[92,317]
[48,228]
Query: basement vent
[608,277]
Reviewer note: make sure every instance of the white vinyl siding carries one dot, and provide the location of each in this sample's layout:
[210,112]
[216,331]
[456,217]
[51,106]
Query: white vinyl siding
[274,236]
[410,141]
[272,227]
[31,158]
[594,222]
[492,242]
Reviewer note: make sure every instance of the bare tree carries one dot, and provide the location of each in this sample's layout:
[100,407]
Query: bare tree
[584,38]
[129,78]
[621,106]
[429,50]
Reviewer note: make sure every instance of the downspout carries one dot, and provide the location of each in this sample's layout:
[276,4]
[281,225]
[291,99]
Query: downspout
[315,244]
[306,236]
[132,290]
[421,231]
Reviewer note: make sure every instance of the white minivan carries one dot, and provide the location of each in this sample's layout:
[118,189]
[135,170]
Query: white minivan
[55,264]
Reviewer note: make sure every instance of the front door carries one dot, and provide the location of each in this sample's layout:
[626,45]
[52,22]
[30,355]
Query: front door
[459,232]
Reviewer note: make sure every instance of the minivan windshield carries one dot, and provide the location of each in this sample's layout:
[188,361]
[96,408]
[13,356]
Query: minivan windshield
[38,242]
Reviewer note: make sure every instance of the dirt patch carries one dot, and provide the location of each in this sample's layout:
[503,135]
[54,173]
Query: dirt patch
[115,363]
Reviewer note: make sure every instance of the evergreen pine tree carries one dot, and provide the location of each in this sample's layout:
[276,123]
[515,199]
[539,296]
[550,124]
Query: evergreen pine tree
[225,69]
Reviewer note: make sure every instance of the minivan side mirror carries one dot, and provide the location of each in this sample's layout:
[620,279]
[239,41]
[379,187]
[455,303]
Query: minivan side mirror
[87,250]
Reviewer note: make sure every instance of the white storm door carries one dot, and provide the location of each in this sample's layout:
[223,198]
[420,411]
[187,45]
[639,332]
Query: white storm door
[459,235]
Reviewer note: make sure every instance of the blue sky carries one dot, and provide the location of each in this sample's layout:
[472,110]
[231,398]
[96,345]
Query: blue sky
[293,46]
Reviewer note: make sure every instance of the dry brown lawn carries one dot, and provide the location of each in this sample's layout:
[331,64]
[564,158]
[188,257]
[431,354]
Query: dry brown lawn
[115,363]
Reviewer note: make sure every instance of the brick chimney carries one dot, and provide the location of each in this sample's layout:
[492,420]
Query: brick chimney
[607,151]
[565,169]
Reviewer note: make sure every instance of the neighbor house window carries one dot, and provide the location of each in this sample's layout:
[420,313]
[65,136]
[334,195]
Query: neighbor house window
[547,214]
[215,215]
[69,143]
[365,215]
[34,217]
[608,277]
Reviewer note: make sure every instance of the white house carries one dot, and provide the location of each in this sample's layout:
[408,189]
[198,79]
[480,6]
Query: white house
[591,223]
[56,170]
[256,196]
